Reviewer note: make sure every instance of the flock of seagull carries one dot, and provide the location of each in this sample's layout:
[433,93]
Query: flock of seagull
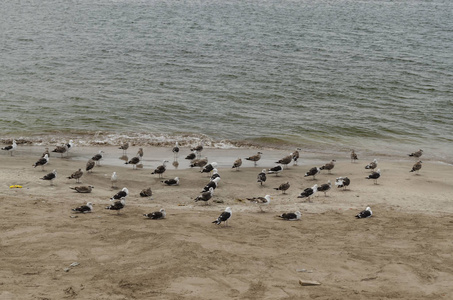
[119,199]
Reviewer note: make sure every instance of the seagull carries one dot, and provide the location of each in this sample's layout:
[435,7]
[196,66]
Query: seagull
[117,205]
[283,187]
[372,165]
[309,192]
[84,189]
[198,149]
[175,151]
[124,147]
[171,181]
[51,176]
[161,169]
[46,151]
[237,163]
[133,161]
[261,201]
[140,153]
[121,194]
[60,149]
[325,187]
[313,172]
[84,208]
[291,216]
[417,154]
[191,156]
[90,165]
[69,146]
[364,213]
[375,176]
[417,167]
[205,196]
[262,177]
[209,168]
[215,174]
[199,162]
[114,179]
[275,170]
[212,184]
[254,158]
[146,193]
[161,214]
[328,166]
[342,182]
[296,156]
[224,217]
[42,162]
[353,156]
[11,147]
[76,175]
[97,158]
[285,160]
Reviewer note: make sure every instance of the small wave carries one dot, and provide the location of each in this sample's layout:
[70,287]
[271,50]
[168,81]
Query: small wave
[101,138]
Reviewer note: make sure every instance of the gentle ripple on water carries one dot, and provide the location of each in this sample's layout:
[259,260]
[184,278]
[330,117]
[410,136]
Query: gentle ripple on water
[321,74]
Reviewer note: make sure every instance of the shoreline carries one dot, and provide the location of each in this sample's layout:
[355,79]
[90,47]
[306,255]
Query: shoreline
[371,148]
[163,151]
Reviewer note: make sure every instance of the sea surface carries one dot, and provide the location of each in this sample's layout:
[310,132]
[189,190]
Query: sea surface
[326,76]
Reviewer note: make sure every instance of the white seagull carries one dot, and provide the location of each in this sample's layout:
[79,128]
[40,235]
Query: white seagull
[98,157]
[42,161]
[161,169]
[11,147]
[174,181]
[275,170]
[291,216]
[114,179]
[205,196]
[309,192]
[261,178]
[374,176]
[133,161]
[84,208]
[157,215]
[325,187]
[342,182]
[121,194]
[313,172]
[212,184]
[372,165]
[175,151]
[51,176]
[364,213]
[224,217]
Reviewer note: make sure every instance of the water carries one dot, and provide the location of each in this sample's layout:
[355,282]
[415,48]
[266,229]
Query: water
[321,75]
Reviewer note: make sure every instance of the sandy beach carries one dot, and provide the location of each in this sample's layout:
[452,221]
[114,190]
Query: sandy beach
[404,251]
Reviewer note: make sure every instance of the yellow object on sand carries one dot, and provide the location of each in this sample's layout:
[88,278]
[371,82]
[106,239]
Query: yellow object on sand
[15,186]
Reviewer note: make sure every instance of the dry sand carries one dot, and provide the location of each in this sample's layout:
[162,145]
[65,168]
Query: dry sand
[404,251]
